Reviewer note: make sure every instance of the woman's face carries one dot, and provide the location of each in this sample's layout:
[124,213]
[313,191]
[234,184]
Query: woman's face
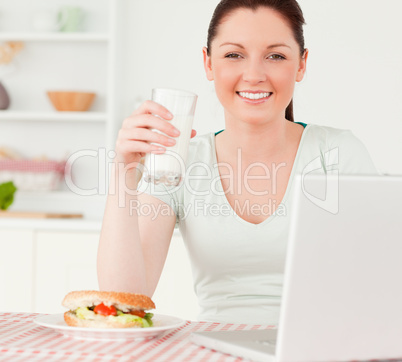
[254,61]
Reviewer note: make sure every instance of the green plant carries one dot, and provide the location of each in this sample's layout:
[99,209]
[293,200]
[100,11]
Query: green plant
[7,191]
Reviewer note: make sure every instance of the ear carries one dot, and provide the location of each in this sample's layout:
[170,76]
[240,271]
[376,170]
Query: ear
[302,67]
[207,64]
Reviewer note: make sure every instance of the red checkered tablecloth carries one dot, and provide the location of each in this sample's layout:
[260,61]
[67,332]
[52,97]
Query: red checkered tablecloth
[23,340]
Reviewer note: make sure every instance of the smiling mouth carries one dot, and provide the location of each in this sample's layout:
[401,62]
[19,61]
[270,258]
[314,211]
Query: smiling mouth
[254,96]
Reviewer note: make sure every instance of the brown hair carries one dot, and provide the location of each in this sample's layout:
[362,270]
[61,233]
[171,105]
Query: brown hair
[289,9]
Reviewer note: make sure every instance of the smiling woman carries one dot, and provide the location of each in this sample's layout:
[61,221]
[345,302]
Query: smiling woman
[259,71]
[233,208]
[292,15]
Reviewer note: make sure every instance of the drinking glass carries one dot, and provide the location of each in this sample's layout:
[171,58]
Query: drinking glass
[169,168]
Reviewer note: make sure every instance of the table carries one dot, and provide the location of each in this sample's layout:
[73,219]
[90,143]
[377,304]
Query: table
[23,340]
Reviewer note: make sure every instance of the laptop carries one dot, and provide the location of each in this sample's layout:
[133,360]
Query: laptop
[342,296]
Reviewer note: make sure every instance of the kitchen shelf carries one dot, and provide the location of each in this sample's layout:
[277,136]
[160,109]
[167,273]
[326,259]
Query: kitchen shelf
[53,116]
[67,37]
[89,60]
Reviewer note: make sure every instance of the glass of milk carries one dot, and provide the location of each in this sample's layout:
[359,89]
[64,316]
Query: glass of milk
[169,168]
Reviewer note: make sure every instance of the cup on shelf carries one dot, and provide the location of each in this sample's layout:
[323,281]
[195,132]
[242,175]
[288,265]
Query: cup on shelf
[71,18]
[67,19]
[46,20]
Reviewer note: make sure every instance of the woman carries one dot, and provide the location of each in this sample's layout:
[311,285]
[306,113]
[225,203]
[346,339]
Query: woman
[232,211]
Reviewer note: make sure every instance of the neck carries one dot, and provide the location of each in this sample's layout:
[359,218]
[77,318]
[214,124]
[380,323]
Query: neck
[255,142]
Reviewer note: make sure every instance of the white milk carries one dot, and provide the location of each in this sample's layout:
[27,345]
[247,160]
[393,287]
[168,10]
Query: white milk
[169,168]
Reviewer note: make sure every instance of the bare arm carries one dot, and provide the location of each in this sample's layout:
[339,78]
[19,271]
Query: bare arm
[132,248]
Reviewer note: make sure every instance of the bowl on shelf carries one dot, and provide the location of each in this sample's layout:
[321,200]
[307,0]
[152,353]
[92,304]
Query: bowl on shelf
[71,101]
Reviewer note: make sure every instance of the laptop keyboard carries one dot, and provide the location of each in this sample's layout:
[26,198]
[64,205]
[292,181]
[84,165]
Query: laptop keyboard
[267,342]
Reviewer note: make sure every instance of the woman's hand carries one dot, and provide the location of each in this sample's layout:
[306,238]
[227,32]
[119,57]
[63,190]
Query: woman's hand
[136,135]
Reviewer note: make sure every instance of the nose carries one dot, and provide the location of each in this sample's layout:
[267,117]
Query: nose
[254,71]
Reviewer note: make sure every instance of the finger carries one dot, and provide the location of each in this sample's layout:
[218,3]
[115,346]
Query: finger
[151,107]
[150,121]
[193,133]
[130,146]
[146,135]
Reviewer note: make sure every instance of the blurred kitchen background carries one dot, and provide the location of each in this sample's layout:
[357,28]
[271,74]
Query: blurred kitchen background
[111,53]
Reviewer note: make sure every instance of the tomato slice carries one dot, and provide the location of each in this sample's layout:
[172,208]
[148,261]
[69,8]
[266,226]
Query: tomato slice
[139,313]
[105,310]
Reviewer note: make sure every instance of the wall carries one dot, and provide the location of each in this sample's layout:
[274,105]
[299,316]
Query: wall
[353,79]
[354,75]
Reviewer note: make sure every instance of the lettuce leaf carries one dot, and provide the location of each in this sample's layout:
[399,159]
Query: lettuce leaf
[128,318]
[7,191]
[85,313]
[148,317]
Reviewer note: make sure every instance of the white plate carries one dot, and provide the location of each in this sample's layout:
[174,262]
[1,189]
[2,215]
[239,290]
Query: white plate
[162,323]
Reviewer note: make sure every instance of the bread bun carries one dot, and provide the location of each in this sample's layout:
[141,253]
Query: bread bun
[122,301]
[99,322]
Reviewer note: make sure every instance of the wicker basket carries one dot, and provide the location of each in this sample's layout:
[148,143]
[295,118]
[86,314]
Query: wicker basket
[32,175]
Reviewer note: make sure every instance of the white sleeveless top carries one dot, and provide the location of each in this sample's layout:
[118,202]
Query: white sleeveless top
[238,266]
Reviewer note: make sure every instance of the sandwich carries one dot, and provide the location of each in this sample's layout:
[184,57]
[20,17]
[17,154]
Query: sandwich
[95,309]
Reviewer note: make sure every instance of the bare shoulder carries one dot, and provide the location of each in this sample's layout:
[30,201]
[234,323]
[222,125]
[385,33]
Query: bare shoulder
[295,131]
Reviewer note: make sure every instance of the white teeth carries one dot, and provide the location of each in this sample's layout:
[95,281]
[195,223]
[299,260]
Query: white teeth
[254,95]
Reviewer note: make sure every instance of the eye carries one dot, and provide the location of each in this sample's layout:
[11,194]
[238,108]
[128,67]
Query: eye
[232,56]
[276,57]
